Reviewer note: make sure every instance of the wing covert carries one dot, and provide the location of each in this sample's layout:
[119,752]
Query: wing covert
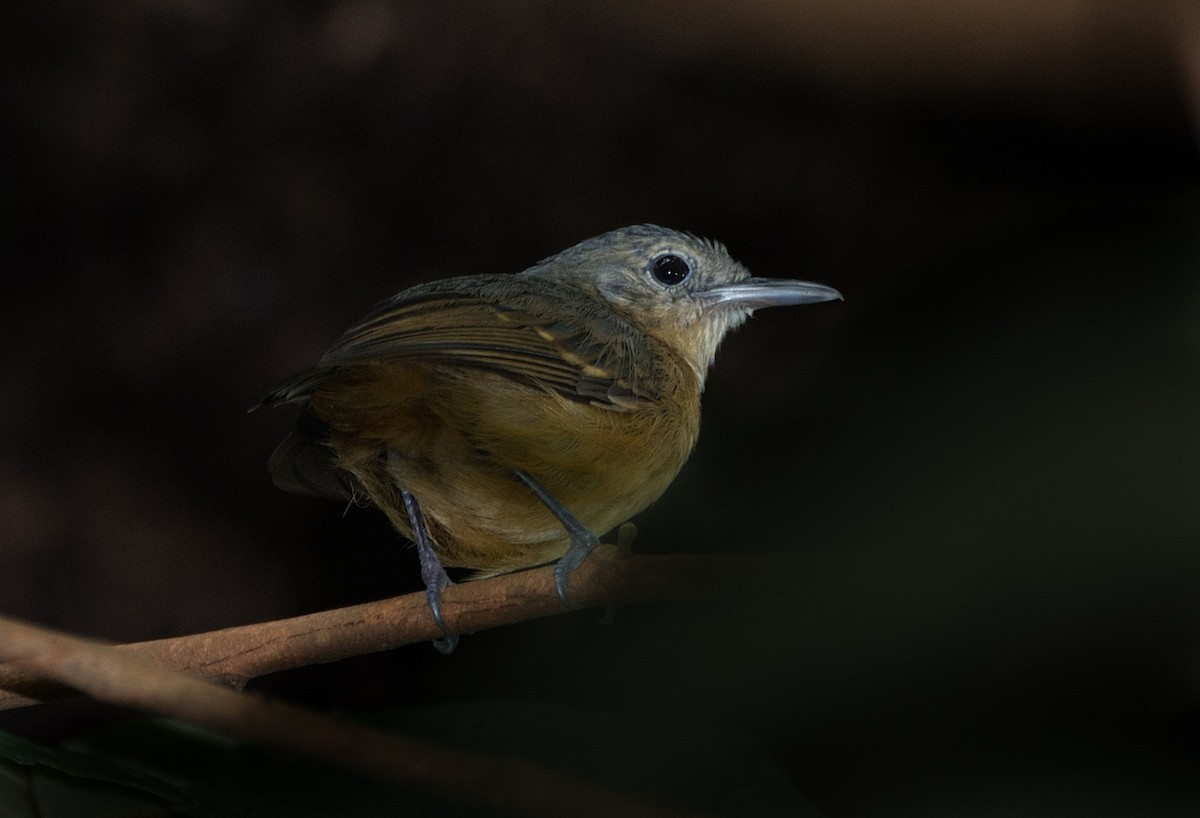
[513,327]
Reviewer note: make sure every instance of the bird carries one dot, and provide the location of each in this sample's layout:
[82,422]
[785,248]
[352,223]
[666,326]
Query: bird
[504,421]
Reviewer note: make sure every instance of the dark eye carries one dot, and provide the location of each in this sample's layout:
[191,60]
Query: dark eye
[671,269]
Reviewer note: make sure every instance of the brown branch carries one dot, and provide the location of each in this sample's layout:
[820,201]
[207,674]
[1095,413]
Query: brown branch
[610,577]
[123,677]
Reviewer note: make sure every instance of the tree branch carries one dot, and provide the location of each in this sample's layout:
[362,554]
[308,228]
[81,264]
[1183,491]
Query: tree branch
[612,576]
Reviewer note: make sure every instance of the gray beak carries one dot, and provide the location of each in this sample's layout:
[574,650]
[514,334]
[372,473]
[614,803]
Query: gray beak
[756,293]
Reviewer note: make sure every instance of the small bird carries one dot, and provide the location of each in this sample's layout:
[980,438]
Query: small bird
[503,421]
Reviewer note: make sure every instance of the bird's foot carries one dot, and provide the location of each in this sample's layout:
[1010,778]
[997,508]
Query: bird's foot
[567,564]
[583,541]
[436,580]
[433,574]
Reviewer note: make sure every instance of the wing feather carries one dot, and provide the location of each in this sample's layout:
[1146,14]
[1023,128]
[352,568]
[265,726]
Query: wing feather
[495,324]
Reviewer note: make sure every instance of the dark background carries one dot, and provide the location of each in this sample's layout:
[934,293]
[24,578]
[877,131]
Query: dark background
[990,451]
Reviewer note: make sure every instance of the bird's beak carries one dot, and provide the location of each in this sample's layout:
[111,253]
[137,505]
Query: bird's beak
[756,293]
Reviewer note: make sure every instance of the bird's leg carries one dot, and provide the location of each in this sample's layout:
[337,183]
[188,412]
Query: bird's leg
[583,541]
[432,572]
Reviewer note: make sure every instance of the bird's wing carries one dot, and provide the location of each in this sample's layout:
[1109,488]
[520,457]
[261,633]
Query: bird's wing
[542,334]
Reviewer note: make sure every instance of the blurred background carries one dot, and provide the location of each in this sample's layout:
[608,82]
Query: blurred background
[987,460]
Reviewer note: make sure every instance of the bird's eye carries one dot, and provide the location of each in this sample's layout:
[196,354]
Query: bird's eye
[671,270]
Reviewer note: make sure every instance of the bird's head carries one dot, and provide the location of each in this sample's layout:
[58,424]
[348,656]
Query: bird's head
[686,291]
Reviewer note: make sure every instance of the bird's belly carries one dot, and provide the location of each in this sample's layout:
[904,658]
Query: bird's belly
[601,464]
